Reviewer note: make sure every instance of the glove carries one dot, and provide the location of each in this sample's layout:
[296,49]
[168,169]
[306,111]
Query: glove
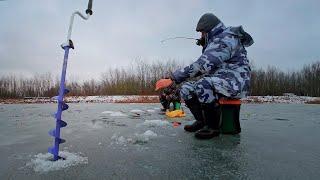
[169,98]
[163,83]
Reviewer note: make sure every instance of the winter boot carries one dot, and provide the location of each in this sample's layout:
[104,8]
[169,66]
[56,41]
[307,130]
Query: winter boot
[212,114]
[195,107]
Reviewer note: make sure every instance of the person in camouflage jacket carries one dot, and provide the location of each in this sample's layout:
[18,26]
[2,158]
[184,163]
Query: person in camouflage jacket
[224,69]
[169,95]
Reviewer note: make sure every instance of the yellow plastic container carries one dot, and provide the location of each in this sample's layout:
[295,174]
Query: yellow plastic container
[175,113]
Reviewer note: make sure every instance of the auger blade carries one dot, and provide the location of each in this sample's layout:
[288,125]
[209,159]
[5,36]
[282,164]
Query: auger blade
[65,106]
[55,152]
[66,91]
[63,124]
[61,140]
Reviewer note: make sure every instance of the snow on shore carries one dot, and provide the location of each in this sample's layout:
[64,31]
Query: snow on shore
[155,99]
[112,99]
[282,99]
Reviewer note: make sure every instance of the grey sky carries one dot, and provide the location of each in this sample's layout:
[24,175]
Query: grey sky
[286,32]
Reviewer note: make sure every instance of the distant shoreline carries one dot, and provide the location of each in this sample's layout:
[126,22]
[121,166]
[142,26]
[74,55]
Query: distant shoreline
[155,99]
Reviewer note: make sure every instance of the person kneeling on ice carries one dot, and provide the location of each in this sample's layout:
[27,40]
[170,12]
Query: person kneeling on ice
[170,95]
[224,71]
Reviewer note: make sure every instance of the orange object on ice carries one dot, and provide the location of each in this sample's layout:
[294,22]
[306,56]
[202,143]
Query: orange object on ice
[176,124]
[176,113]
[163,83]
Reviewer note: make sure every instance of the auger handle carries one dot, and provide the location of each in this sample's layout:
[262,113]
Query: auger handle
[89,10]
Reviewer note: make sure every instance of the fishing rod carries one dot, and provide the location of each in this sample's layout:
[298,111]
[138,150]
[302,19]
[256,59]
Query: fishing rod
[62,106]
[198,41]
[179,37]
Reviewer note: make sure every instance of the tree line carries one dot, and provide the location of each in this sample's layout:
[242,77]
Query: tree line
[139,79]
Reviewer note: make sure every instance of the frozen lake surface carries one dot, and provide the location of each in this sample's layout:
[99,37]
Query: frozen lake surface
[133,141]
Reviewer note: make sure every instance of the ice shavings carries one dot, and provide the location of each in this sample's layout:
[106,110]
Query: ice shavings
[136,139]
[146,136]
[119,140]
[43,162]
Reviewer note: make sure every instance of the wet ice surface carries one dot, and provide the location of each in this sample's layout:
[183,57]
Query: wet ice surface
[133,141]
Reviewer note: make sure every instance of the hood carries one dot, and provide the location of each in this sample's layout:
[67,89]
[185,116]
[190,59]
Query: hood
[244,37]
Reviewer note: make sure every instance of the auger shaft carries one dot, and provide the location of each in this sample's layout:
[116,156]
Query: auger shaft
[62,106]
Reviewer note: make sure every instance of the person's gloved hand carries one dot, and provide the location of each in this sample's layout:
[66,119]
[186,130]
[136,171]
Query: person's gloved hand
[169,97]
[163,83]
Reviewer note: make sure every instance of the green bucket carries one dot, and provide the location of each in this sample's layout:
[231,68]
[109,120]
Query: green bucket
[230,123]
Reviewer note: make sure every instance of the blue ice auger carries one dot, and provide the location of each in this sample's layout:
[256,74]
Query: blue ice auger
[62,106]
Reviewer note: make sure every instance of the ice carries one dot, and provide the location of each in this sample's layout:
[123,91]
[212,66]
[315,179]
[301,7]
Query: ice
[119,139]
[122,140]
[149,133]
[43,162]
[114,113]
[151,110]
[137,111]
[107,112]
[155,123]
[136,139]
[117,114]
[145,137]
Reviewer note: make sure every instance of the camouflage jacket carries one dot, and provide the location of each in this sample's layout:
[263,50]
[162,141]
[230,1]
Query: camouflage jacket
[225,60]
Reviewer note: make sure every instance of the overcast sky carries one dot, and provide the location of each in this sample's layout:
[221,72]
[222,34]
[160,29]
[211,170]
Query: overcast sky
[286,32]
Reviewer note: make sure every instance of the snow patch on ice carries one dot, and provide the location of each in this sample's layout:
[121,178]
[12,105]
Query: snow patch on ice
[114,113]
[137,111]
[145,137]
[136,139]
[155,123]
[107,112]
[151,110]
[117,114]
[43,162]
[119,140]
